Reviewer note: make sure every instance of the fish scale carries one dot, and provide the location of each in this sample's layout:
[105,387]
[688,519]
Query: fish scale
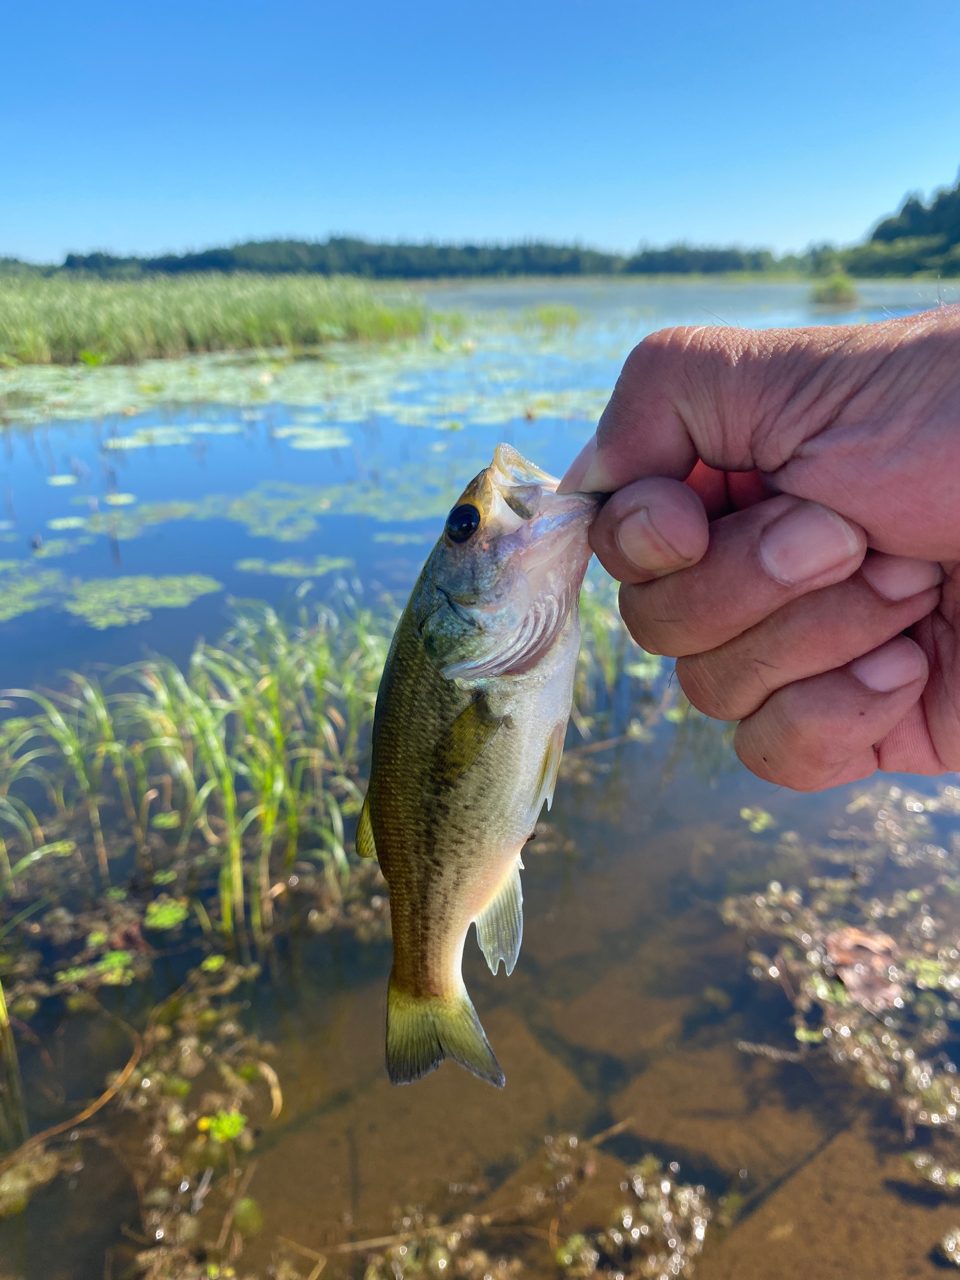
[469,724]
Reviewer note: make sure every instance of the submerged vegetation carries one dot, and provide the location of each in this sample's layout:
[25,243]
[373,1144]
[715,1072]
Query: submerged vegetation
[656,1227]
[867,949]
[206,806]
[65,320]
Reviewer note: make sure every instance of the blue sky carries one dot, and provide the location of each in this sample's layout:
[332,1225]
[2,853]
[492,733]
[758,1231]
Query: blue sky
[142,127]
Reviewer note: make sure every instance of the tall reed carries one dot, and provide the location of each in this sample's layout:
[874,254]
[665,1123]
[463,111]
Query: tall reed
[63,320]
[255,753]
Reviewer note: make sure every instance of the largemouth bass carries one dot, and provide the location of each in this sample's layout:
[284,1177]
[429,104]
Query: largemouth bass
[467,737]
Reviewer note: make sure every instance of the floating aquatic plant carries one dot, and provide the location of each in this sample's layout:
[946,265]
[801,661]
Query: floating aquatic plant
[55,548]
[158,437]
[496,377]
[66,522]
[303,436]
[119,602]
[24,590]
[295,568]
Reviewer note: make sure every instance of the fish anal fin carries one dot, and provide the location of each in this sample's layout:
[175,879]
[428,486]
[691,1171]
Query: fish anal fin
[465,740]
[365,843]
[550,768]
[423,1030]
[500,924]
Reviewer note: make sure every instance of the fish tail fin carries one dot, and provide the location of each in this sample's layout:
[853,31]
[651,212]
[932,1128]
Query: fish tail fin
[423,1030]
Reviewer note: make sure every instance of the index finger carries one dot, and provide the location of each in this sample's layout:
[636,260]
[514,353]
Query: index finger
[735,399]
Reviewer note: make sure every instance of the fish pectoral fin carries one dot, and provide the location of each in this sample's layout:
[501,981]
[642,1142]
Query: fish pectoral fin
[465,741]
[423,1030]
[366,845]
[549,769]
[500,923]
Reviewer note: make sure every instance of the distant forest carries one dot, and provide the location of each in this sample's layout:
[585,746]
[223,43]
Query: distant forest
[922,239]
[344,256]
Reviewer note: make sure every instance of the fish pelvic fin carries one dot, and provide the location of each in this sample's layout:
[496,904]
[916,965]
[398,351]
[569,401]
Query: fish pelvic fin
[500,924]
[423,1030]
[365,843]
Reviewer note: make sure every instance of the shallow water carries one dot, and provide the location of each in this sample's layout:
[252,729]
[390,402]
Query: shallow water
[630,994]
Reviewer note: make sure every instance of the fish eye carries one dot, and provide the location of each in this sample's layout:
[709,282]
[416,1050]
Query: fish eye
[463,522]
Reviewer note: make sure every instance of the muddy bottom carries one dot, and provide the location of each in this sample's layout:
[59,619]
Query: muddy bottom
[627,1006]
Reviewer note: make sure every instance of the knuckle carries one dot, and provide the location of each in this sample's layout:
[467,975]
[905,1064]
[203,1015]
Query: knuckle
[639,620]
[792,744]
[660,619]
[708,689]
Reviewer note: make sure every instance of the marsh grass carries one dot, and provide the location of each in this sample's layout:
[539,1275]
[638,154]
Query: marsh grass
[250,759]
[838,292]
[251,754]
[94,322]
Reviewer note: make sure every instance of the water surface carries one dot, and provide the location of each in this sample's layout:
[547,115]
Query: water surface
[323,478]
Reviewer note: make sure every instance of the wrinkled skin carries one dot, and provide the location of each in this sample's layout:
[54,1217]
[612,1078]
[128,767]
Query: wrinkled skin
[806,574]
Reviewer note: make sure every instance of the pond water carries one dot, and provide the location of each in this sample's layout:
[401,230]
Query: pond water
[138,505]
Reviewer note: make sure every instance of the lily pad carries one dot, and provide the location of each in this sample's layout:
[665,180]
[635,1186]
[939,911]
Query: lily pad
[55,547]
[119,602]
[307,437]
[295,568]
[22,592]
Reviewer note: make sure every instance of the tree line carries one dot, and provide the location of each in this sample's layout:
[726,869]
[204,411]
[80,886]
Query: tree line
[346,256]
[919,239]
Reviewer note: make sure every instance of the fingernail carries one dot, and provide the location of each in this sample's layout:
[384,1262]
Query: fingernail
[806,542]
[643,544]
[596,478]
[572,481]
[898,577]
[897,663]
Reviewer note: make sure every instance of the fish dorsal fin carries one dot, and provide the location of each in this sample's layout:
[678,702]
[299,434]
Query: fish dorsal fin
[366,845]
[465,740]
[549,769]
[500,924]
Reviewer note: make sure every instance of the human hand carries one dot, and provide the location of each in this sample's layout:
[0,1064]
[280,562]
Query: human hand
[819,521]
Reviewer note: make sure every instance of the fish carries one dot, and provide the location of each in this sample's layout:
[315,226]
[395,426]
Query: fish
[468,733]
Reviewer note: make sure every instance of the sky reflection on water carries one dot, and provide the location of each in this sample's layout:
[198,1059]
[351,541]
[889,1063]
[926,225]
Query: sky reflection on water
[610,1013]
